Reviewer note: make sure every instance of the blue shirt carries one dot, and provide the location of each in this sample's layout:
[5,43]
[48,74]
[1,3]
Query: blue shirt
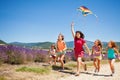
[111,53]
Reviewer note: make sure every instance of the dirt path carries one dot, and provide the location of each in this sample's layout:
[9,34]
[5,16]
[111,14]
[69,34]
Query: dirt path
[10,74]
[104,74]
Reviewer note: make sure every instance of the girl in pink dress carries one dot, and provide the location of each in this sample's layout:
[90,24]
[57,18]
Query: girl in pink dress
[79,42]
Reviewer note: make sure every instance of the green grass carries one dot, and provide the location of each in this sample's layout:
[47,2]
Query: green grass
[2,78]
[72,65]
[34,69]
[117,60]
[54,67]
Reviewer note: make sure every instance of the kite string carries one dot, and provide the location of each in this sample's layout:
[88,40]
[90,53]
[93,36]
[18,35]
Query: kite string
[96,17]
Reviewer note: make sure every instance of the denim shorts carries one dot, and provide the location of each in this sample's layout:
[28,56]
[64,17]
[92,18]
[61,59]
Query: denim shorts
[111,58]
[61,53]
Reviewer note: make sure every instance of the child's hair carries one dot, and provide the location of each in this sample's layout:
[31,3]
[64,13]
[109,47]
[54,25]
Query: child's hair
[99,43]
[61,36]
[81,34]
[114,45]
[53,45]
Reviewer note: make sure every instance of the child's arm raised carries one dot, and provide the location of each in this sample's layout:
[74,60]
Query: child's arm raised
[88,50]
[72,29]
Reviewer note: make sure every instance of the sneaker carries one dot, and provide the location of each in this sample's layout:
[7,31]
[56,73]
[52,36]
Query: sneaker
[77,74]
[95,70]
[64,61]
[112,74]
[61,70]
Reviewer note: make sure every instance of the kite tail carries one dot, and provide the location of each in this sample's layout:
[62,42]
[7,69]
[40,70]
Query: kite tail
[96,17]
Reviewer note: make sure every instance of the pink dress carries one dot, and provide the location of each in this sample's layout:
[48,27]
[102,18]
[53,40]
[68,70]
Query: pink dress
[78,44]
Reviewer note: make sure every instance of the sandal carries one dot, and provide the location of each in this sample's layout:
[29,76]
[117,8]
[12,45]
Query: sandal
[77,74]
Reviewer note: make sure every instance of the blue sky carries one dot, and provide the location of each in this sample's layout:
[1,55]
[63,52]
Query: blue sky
[42,20]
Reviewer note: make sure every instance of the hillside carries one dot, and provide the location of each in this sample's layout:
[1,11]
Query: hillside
[33,45]
[46,45]
[2,42]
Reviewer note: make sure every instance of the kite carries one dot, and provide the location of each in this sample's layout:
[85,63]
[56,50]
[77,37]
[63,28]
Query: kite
[85,11]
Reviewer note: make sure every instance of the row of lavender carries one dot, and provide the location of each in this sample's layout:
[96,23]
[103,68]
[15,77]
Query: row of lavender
[18,55]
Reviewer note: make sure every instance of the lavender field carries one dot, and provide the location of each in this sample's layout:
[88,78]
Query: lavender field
[19,55]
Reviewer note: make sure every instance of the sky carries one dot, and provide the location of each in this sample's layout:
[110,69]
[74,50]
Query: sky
[43,20]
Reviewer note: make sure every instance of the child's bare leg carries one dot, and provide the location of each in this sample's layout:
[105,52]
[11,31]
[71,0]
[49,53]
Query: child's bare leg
[78,64]
[112,65]
[94,62]
[111,62]
[55,60]
[83,64]
[98,64]
[61,60]
[50,60]
[58,58]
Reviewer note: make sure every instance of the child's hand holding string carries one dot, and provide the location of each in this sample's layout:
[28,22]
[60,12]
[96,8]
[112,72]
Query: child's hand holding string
[89,53]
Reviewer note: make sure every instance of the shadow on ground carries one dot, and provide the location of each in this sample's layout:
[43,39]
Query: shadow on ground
[95,74]
[105,75]
[66,69]
[54,67]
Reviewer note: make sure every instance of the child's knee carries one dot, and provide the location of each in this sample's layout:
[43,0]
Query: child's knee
[61,59]
[79,59]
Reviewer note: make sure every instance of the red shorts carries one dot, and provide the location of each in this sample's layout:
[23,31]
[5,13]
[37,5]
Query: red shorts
[79,54]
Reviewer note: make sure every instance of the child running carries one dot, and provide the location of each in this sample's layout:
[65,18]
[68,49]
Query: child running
[111,52]
[61,49]
[79,42]
[52,53]
[97,56]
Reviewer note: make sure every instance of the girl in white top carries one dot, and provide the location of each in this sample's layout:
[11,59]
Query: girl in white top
[52,54]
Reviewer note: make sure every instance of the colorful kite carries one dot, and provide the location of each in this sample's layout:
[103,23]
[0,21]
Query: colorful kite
[85,11]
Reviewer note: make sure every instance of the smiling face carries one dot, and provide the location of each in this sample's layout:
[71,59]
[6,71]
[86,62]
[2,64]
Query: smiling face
[52,46]
[78,35]
[60,37]
[109,45]
[96,43]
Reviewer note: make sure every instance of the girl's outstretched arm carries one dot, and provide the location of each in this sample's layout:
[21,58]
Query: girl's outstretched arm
[72,29]
[88,50]
[116,50]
